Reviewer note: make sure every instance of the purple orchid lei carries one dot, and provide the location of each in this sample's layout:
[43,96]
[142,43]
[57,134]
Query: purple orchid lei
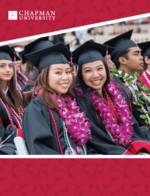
[75,121]
[122,132]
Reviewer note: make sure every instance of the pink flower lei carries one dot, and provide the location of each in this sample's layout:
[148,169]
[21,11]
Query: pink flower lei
[75,121]
[122,132]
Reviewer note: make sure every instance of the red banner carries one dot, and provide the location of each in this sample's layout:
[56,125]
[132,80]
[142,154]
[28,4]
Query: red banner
[61,14]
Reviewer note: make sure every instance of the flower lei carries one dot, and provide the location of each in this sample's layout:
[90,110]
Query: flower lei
[144,91]
[121,133]
[75,121]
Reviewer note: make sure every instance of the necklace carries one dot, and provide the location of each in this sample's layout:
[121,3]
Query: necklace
[75,121]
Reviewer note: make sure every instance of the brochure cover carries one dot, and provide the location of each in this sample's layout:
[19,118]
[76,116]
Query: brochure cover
[73,23]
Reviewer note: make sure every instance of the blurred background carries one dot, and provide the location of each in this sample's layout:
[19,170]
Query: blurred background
[101,34]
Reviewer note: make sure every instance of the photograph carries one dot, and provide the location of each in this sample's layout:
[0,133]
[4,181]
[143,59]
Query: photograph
[83,92]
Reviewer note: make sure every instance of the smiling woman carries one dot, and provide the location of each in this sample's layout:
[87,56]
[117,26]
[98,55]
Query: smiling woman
[11,106]
[114,129]
[52,122]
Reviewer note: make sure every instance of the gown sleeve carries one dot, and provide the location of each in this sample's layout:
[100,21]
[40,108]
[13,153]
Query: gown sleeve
[101,142]
[38,129]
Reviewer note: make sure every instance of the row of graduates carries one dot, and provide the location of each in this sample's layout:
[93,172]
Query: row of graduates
[94,114]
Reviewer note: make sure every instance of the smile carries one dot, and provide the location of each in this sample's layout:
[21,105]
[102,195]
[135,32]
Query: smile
[96,82]
[64,85]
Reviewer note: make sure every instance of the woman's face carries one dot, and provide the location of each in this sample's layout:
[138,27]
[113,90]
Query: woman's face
[94,75]
[6,70]
[60,78]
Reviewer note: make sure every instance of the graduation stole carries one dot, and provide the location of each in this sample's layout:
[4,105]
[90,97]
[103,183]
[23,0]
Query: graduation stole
[140,98]
[118,110]
[146,78]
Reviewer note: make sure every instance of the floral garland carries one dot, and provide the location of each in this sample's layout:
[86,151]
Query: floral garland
[75,121]
[122,132]
[144,92]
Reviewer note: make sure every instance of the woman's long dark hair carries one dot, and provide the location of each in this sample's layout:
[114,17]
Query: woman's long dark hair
[42,82]
[15,95]
[79,81]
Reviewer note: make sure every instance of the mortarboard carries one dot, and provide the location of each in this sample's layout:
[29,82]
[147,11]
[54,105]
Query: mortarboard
[145,46]
[54,54]
[36,45]
[89,52]
[6,53]
[120,43]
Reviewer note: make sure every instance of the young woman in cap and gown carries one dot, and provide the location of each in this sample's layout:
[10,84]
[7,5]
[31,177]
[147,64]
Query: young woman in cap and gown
[36,45]
[52,122]
[114,130]
[11,106]
[145,77]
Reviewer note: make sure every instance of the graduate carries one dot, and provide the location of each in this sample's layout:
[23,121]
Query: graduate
[11,106]
[52,123]
[36,45]
[128,60]
[145,77]
[21,78]
[114,130]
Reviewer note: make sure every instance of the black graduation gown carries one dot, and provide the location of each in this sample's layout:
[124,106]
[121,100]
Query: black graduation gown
[7,136]
[136,113]
[39,130]
[29,85]
[102,143]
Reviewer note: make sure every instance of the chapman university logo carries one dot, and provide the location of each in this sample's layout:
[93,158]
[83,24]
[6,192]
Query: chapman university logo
[12,15]
[31,15]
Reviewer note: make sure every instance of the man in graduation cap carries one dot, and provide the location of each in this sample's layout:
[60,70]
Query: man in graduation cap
[145,78]
[128,60]
[36,45]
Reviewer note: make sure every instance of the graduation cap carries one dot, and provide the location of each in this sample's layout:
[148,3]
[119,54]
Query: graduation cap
[145,46]
[120,43]
[89,52]
[36,45]
[54,54]
[6,53]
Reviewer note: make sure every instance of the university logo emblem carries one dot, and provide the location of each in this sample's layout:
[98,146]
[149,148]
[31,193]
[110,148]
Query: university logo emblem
[12,15]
